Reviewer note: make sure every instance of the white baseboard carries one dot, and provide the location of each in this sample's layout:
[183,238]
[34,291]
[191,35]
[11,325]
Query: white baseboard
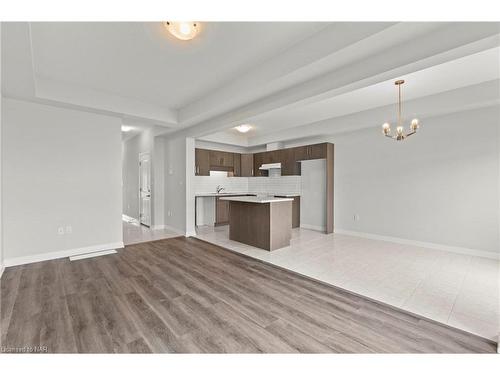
[158,227]
[313,227]
[168,227]
[9,262]
[129,218]
[428,245]
[190,234]
[92,255]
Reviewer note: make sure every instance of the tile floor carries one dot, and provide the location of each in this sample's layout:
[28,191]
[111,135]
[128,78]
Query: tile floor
[459,290]
[133,232]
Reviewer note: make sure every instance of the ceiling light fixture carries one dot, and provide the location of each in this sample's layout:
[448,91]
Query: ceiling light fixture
[126,128]
[243,128]
[400,134]
[182,30]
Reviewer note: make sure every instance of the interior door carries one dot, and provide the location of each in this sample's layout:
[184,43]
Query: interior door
[145,189]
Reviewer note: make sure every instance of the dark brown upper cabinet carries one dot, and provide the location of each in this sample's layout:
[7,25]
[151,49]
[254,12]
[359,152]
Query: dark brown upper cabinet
[247,165]
[289,165]
[236,165]
[258,160]
[310,152]
[317,151]
[202,162]
[221,159]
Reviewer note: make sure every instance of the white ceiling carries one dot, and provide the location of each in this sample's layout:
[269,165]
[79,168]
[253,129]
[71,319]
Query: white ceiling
[467,71]
[286,78]
[143,61]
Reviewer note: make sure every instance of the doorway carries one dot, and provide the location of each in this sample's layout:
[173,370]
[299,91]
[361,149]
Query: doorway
[145,189]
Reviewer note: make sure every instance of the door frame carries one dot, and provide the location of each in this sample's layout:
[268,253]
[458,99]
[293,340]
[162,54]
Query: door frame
[141,156]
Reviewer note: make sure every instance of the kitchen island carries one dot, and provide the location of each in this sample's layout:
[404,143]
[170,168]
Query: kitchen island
[264,222]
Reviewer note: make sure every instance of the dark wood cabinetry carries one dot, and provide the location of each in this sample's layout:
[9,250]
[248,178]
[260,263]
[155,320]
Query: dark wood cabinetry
[247,165]
[296,212]
[202,162]
[221,159]
[310,152]
[258,160]
[237,165]
[289,164]
[221,212]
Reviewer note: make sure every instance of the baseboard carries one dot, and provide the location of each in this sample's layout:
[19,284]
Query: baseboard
[428,245]
[9,262]
[129,218]
[190,234]
[1,270]
[92,255]
[313,227]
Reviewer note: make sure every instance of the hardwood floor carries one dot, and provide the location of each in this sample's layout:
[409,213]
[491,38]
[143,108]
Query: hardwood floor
[185,295]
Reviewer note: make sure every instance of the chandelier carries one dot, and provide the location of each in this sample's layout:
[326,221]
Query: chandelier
[400,133]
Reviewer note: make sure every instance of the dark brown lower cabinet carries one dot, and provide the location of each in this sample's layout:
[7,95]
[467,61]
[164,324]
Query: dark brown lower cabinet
[296,212]
[221,212]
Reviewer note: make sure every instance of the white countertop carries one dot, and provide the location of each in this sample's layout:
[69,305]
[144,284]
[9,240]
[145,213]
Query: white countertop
[254,199]
[218,194]
[287,195]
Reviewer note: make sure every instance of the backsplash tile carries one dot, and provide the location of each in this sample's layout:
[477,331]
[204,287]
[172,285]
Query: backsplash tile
[208,184]
[275,184]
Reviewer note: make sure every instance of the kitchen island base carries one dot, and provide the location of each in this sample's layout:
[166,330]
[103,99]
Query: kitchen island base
[264,225]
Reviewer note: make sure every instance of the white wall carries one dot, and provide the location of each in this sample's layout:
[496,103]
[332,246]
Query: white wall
[441,186]
[313,195]
[175,183]
[1,158]
[61,168]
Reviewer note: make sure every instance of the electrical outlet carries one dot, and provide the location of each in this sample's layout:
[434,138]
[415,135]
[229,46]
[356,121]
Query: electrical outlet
[60,231]
[69,229]
[356,217]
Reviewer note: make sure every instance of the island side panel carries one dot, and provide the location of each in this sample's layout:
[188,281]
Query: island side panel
[281,224]
[249,223]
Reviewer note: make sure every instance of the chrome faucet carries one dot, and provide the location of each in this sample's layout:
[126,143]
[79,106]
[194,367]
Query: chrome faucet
[219,189]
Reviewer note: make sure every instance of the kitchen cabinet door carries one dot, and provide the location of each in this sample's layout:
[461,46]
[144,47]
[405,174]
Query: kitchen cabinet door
[247,165]
[221,212]
[301,153]
[228,159]
[289,166]
[317,151]
[221,159]
[296,212]
[202,162]
[237,165]
[258,160]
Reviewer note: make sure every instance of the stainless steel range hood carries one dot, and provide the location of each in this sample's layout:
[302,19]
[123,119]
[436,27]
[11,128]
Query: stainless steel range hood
[266,167]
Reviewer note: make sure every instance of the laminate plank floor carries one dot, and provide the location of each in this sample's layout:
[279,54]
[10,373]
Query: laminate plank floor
[458,290]
[184,295]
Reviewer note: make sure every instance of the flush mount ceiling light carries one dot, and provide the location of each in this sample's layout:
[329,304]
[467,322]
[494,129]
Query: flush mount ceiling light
[400,134]
[126,128]
[243,128]
[182,30]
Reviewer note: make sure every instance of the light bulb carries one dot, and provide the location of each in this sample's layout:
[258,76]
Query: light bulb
[414,124]
[243,128]
[182,30]
[386,128]
[399,130]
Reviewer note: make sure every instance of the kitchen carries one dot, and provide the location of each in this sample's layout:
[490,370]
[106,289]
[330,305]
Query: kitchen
[260,195]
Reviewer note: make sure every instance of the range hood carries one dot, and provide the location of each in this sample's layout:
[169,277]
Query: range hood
[266,167]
